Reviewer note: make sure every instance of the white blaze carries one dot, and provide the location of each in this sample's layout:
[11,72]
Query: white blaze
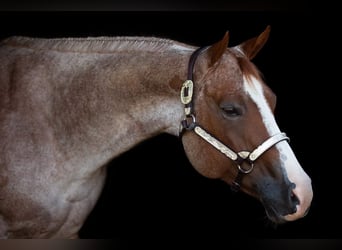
[294,171]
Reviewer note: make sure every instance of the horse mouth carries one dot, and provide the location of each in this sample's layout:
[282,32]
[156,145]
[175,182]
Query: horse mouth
[276,214]
[278,218]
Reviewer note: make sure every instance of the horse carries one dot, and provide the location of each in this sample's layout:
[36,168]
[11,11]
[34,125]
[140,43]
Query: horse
[68,106]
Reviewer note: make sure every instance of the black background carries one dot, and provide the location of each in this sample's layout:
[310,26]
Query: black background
[152,190]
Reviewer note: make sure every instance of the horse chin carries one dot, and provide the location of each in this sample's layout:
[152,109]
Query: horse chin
[273,216]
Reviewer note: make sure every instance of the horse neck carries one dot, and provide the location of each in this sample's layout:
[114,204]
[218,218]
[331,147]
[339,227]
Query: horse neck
[136,97]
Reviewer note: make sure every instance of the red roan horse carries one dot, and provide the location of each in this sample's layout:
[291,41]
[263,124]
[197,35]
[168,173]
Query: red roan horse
[69,106]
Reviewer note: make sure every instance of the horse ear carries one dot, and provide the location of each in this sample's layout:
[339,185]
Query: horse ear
[217,49]
[252,46]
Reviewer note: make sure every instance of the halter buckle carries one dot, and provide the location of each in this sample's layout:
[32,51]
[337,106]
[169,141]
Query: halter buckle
[187,92]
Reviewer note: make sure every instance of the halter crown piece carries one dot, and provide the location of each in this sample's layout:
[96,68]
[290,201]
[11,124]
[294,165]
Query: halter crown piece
[189,124]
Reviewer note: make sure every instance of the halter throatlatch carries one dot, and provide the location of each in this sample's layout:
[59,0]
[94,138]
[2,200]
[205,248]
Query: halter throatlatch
[189,124]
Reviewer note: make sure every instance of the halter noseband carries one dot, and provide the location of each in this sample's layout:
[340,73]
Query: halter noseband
[189,124]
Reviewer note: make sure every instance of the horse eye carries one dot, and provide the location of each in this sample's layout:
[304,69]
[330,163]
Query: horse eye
[231,111]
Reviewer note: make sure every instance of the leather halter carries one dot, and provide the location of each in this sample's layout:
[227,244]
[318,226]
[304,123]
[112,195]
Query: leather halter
[189,124]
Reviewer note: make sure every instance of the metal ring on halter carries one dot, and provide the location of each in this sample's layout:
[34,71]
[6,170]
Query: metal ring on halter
[191,125]
[246,171]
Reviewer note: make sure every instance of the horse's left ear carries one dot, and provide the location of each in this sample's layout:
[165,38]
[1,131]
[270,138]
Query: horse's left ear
[217,49]
[252,46]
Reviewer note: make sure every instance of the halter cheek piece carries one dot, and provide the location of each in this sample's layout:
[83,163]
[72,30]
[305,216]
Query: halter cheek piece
[189,124]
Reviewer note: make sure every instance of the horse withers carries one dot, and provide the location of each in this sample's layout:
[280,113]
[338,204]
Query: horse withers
[69,106]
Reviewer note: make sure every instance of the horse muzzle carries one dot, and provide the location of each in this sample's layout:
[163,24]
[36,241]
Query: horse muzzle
[287,204]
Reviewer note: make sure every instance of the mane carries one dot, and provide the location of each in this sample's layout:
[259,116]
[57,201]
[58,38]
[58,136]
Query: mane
[96,44]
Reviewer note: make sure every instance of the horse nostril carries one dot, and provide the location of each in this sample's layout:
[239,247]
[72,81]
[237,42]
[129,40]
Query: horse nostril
[293,210]
[294,201]
[294,198]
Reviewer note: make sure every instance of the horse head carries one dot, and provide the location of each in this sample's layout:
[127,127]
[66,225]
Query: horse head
[229,131]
